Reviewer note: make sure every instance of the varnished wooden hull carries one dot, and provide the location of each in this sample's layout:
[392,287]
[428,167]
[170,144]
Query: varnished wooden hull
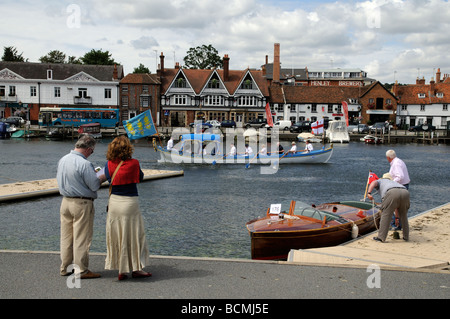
[276,244]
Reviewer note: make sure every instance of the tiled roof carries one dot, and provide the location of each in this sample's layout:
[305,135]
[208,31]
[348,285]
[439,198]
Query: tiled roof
[314,94]
[140,78]
[409,94]
[38,71]
[198,79]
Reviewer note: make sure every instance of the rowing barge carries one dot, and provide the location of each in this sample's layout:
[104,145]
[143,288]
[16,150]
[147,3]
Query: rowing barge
[207,149]
[303,226]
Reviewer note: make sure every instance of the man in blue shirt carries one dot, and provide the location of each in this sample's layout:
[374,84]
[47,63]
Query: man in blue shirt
[78,183]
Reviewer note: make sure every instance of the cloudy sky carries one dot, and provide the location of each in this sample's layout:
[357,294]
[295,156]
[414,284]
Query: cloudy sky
[389,39]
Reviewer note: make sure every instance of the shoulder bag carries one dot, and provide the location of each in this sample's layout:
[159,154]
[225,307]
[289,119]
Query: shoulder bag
[112,178]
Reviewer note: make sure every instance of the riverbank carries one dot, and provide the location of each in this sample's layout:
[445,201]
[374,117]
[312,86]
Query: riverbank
[427,248]
[23,190]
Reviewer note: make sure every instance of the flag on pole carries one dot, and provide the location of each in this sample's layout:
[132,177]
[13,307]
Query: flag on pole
[140,126]
[345,107]
[317,127]
[372,177]
[269,115]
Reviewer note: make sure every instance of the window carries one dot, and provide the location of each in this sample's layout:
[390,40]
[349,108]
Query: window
[12,90]
[247,85]
[246,101]
[180,83]
[124,100]
[145,101]
[404,107]
[49,74]
[82,92]
[421,95]
[422,107]
[124,88]
[180,100]
[445,107]
[32,91]
[440,95]
[213,84]
[57,91]
[107,93]
[2,90]
[145,89]
[330,108]
[212,100]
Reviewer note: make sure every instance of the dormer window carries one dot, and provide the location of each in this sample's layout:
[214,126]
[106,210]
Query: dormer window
[49,74]
[440,95]
[421,95]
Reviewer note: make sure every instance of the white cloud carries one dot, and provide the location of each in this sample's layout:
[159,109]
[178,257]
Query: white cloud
[380,36]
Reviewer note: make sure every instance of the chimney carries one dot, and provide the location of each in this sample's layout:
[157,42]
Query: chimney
[395,88]
[161,58]
[438,75]
[177,65]
[276,63]
[115,77]
[226,67]
[432,86]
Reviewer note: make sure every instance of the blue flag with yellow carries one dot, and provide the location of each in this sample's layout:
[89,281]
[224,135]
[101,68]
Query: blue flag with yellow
[140,126]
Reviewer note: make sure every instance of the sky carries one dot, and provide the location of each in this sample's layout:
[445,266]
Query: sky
[389,39]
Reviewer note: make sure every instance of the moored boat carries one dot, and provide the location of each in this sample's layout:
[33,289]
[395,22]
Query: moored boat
[370,139]
[57,132]
[337,132]
[303,226]
[92,129]
[205,149]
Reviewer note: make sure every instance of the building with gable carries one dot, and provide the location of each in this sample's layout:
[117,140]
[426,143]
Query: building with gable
[25,87]
[422,103]
[217,94]
[140,92]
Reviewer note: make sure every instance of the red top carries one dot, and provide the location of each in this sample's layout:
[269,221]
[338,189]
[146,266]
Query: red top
[128,173]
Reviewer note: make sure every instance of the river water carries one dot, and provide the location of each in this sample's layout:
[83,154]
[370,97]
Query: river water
[203,213]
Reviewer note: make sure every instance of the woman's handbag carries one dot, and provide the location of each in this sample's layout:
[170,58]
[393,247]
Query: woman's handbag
[112,178]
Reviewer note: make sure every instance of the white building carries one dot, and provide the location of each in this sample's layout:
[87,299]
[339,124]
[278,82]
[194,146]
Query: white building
[25,87]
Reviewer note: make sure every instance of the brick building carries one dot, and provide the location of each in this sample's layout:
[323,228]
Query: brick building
[140,92]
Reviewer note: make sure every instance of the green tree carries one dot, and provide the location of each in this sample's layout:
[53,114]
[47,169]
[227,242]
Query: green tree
[98,57]
[54,56]
[141,69]
[203,57]
[73,60]
[10,54]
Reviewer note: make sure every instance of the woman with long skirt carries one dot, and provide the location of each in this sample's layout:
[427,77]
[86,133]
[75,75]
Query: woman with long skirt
[126,241]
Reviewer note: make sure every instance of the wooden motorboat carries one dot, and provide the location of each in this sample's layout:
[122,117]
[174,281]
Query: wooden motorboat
[58,132]
[205,149]
[303,226]
[370,139]
[93,129]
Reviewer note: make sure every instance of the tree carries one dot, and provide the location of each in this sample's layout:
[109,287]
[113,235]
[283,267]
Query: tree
[203,57]
[73,60]
[98,57]
[141,69]
[54,56]
[10,55]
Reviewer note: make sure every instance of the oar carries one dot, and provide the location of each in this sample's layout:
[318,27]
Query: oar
[274,165]
[214,162]
[248,164]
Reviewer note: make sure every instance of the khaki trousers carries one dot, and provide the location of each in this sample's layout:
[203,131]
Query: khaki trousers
[396,198]
[77,222]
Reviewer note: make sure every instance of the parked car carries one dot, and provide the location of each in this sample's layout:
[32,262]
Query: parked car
[256,123]
[205,125]
[300,127]
[214,123]
[422,128]
[282,125]
[228,123]
[14,120]
[378,127]
[358,129]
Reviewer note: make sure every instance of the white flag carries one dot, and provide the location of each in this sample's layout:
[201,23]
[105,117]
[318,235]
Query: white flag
[317,127]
